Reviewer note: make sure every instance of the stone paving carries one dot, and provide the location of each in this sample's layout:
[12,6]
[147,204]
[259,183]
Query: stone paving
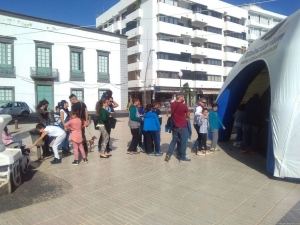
[221,188]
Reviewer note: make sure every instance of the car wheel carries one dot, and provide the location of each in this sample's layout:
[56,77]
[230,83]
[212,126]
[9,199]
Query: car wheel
[24,114]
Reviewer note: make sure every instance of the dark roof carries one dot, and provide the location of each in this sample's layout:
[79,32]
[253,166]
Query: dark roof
[57,23]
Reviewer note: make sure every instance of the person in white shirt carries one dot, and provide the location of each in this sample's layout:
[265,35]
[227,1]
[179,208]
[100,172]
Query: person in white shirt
[52,131]
[198,114]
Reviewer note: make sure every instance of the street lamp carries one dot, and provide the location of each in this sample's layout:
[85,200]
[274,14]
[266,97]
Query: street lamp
[180,75]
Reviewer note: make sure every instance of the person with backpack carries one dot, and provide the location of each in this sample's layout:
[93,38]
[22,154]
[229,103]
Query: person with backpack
[179,113]
[151,129]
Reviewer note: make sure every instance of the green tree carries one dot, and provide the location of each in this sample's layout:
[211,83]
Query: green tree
[137,4]
[187,91]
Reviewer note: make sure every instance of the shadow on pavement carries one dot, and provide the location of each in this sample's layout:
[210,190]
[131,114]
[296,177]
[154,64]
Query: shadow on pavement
[36,187]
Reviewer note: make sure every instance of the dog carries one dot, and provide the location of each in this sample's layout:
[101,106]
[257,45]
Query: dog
[25,160]
[91,143]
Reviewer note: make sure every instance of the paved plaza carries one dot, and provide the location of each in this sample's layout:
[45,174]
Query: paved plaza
[221,188]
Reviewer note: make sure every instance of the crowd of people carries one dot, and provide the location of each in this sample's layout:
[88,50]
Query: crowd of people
[145,126]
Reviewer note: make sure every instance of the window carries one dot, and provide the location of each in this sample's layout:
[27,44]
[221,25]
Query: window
[232,49]
[229,64]
[233,20]
[215,14]
[170,2]
[224,78]
[187,75]
[216,62]
[167,37]
[167,19]
[76,62]
[214,78]
[197,8]
[6,94]
[184,57]
[79,93]
[103,67]
[124,31]
[43,58]
[213,46]
[101,92]
[213,30]
[131,25]
[235,35]
[6,57]
[124,15]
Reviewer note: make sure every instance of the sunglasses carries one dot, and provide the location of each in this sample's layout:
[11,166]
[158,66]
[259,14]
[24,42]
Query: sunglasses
[204,102]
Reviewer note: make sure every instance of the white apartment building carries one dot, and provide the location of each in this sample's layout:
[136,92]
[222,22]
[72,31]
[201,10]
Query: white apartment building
[45,59]
[259,21]
[202,38]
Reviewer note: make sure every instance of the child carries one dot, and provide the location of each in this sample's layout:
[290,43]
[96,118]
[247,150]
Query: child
[52,131]
[214,122]
[7,139]
[151,129]
[57,116]
[238,123]
[157,111]
[203,124]
[141,133]
[76,125]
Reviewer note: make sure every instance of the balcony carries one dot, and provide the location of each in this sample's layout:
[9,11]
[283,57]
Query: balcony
[174,66]
[173,29]
[9,72]
[103,78]
[200,34]
[138,31]
[77,76]
[43,73]
[232,56]
[251,37]
[238,28]
[235,42]
[254,23]
[173,47]
[135,49]
[135,66]
[209,69]
[208,36]
[205,19]
[137,14]
[207,52]
[174,11]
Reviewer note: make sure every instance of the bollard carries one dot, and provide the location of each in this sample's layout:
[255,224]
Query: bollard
[16,124]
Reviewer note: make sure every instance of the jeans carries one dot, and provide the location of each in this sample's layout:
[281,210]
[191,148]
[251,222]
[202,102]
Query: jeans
[152,137]
[215,134]
[19,141]
[197,128]
[202,141]
[250,136]
[239,134]
[135,140]
[178,133]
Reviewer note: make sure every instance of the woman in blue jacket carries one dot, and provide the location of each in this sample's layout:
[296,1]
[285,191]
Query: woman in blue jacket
[214,122]
[151,129]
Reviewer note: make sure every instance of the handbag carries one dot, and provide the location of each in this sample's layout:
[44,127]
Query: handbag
[96,120]
[112,122]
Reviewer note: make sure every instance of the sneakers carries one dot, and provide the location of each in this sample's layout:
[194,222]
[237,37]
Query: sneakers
[75,163]
[167,158]
[56,161]
[158,154]
[185,160]
[85,160]
[151,154]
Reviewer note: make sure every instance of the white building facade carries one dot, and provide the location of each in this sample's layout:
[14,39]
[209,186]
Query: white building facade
[45,59]
[203,39]
[259,21]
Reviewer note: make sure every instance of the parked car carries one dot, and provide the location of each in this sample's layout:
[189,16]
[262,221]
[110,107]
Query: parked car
[15,109]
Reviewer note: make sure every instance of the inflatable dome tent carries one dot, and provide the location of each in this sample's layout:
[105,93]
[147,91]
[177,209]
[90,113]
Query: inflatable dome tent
[271,68]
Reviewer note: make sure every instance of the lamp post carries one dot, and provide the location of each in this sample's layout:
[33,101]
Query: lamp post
[180,75]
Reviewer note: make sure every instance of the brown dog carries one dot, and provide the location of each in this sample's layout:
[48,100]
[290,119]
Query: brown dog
[91,143]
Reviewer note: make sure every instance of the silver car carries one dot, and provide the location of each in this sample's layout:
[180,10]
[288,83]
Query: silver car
[15,109]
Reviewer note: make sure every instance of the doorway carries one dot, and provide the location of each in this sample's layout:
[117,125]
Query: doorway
[45,92]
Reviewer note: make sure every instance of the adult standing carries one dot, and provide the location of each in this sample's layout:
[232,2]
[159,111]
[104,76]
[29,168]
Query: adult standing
[197,116]
[64,118]
[252,121]
[107,94]
[134,124]
[82,111]
[43,115]
[179,113]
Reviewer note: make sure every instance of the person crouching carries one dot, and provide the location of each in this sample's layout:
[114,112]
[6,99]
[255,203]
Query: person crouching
[151,129]
[52,131]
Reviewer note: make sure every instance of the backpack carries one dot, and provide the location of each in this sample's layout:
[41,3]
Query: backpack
[170,122]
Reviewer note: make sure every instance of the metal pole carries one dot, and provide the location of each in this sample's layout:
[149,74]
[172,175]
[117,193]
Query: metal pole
[146,77]
[180,84]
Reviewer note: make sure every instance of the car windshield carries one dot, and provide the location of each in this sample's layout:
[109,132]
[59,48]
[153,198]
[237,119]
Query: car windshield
[5,105]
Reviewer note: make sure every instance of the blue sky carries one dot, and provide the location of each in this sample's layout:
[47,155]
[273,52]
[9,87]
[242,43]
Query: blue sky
[84,12]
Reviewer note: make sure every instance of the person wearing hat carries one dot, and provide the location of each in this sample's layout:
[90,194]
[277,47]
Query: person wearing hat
[179,113]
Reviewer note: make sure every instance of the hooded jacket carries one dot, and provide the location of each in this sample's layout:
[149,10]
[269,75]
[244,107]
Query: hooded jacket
[151,122]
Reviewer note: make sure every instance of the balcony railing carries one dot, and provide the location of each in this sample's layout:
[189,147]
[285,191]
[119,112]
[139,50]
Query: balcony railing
[103,78]
[77,76]
[7,71]
[44,73]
